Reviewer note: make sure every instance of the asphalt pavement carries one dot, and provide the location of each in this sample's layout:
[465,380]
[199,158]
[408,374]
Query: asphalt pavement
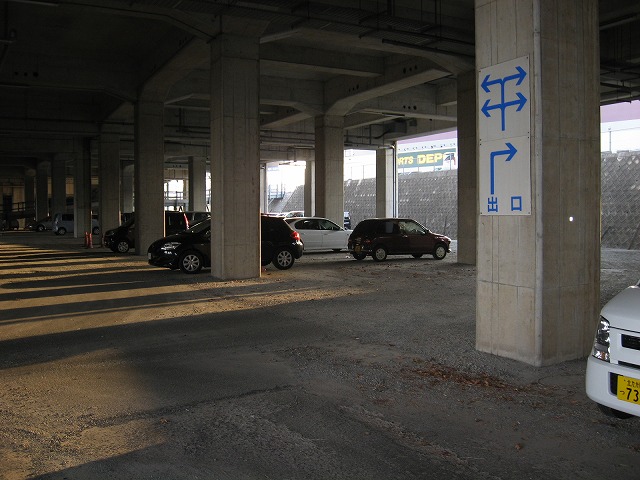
[334,369]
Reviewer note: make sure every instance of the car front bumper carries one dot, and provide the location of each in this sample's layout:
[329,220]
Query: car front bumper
[601,380]
[165,260]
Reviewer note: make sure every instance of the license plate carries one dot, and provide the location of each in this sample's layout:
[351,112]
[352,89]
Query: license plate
[149,256]
[629,389]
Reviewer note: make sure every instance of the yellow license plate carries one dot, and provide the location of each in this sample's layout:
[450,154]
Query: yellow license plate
[629,389]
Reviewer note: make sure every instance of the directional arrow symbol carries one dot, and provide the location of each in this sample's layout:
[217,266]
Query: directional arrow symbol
[509,152]
[518,76]
[520,102]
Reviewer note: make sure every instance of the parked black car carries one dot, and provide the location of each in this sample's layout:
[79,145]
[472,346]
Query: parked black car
[190,250]
[380,237]
[122,238]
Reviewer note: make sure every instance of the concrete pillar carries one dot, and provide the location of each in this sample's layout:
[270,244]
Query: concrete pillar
[467,169]
[264,187]
[235,157]
[330,167]
[197,184]
[58,184]
[30,190]
[126,188]
[109,180]
[310,188]
[42,189]
[82,187]
[149,172]
[538,281]
[386,184]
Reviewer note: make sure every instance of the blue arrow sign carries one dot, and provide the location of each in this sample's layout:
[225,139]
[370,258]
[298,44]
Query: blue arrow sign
[487,83]
[510,152]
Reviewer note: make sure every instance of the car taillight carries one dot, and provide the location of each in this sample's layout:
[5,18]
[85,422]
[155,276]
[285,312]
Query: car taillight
[295,235]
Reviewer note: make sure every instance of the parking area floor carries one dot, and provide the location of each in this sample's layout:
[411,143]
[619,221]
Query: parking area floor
[335,369]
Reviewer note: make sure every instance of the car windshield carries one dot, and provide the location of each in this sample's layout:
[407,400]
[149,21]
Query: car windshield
[129,222]
[200,226]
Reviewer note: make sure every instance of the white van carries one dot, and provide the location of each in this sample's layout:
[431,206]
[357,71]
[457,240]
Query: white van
[64,222]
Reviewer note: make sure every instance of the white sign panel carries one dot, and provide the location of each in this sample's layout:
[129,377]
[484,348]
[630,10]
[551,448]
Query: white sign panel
[504,99]
[505,178]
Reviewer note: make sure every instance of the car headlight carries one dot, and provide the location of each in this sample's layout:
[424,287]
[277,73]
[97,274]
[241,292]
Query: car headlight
[601,343]
[170,246]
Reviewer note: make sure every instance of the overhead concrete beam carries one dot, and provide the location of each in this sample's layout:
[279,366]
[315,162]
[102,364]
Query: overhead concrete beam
[343,94]
[305,95]
[320,61]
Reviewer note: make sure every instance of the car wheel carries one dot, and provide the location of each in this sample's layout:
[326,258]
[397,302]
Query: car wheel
[96,231]
[283,259]
[610,412]
[61,231]
[122,246]
[379,253]
[190,262]
[39,228]
[416,255]
[359,256]
[440,252]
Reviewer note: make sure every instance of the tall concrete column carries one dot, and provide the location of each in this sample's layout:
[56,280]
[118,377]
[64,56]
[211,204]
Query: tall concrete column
[42,189]
[235,157]
[109,180]
[30,190]
[386,185]
[126,191]
[58,184]
[329,131]
[264,187]
[82,187]
[538,281]
[197,184]
[467,169]
[310,188]
[149,171]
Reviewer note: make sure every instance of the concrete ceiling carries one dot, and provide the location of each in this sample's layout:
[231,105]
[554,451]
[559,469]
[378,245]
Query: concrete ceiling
[71,67]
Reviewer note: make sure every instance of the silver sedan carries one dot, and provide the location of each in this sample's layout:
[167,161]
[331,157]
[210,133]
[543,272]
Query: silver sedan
[320,234]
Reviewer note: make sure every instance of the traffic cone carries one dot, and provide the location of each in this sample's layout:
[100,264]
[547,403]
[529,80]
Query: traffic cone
[86,239]
[90,244]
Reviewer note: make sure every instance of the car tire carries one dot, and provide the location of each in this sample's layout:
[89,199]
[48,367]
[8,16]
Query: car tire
[190,262]
[283,259]
[379,253]
[416,255]
[95,231]
[440,251]
[610,412]
[61,231]
[39,228]
[122,246]
[359,256]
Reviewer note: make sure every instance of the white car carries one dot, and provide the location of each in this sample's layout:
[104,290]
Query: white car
[613,368]
[319,234]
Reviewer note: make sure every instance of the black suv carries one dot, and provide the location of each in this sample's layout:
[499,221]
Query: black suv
[121,239]
[380,237]
[190,250]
